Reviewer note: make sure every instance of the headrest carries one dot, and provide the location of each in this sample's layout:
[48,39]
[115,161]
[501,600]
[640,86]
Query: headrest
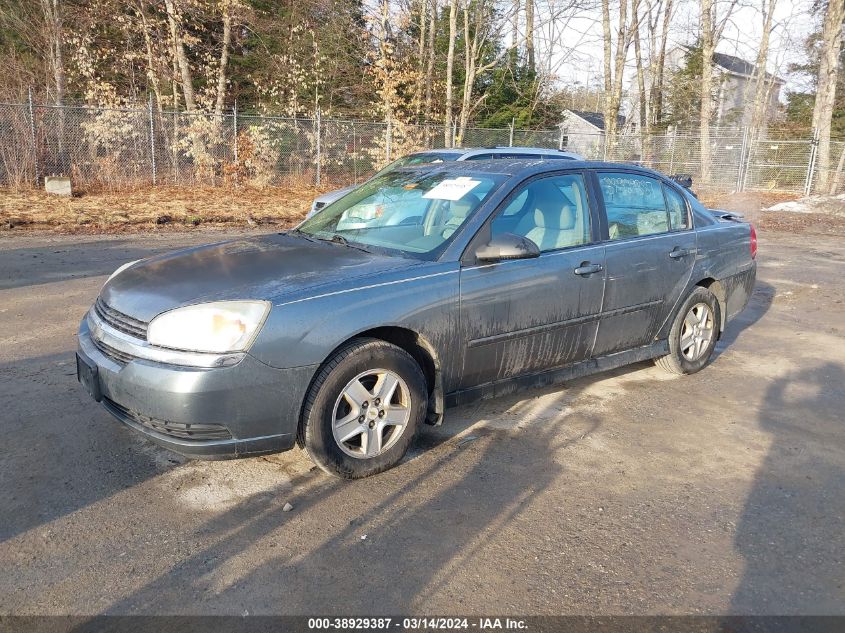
[462,208]
[552,209]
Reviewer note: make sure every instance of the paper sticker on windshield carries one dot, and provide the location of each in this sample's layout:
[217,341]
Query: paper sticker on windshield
[452,188]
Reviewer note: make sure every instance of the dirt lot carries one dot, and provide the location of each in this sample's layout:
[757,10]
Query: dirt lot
[630,492]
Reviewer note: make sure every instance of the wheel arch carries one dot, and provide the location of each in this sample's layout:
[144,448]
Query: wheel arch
[420,349]
[718,290]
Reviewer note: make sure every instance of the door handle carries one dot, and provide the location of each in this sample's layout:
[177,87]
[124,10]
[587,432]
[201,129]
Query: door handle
[677,253]
[586,269]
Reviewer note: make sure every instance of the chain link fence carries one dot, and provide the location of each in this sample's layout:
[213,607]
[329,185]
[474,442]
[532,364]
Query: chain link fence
[114,149]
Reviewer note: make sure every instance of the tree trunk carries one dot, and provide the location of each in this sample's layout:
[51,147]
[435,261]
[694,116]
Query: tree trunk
[761,94]
[657,100]
[470,52]
[152,77]
[53,20]
[181,57]
[608,72]
[224,58]
[450,64]
[529,35]
[387,96]
[826,86]
[641,109]
[708,46]
[418,89]
[429,71]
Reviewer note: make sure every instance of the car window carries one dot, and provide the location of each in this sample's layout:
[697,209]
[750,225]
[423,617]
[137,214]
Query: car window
[410,211]
[518,155]
[480,157]
[678,216]
[635,205]
[551,212]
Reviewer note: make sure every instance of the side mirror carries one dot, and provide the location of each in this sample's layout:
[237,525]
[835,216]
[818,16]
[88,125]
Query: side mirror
[507,246]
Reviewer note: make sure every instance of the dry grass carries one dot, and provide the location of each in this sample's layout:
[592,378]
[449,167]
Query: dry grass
[149,209]
[182,208]
[753,205]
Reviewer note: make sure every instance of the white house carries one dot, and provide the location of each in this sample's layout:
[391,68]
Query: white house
[583,132]
[737,82]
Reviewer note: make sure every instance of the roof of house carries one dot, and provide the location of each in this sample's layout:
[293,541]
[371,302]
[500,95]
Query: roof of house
[738,66]
[596,119]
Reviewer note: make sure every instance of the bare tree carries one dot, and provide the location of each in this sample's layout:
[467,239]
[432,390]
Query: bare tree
[529,35]
[53,22]
[614,61]
[762,85]
[421,59]
[826,86]
[450,66]
[657,57]
[712,25]
[181,57]
[226,10]
[429,70]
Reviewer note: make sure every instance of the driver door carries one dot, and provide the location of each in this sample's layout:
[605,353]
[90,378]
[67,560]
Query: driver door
[524,316]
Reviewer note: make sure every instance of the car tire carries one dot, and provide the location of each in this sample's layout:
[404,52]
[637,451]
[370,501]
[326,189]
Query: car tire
[348,438]
[694,333]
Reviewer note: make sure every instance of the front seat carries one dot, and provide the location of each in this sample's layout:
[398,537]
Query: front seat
[553,223]
[458,212]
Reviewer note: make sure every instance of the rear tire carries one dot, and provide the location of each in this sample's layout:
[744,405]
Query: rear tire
[694,333]
[363,409]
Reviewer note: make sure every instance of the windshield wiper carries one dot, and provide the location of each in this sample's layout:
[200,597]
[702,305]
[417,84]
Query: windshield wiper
[336,238]
[303,235]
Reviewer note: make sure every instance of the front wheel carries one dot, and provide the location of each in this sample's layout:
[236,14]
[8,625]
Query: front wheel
[363,409]
[694,333]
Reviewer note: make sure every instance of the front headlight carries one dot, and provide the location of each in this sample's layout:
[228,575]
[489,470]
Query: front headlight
[121,269]
[219,326]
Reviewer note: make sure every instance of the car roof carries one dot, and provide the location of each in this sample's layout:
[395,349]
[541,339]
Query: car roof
[524,167]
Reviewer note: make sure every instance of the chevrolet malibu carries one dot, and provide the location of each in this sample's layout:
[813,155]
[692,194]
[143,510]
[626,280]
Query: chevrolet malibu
[347,333]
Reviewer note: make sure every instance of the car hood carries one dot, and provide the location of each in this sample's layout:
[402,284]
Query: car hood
[266,267]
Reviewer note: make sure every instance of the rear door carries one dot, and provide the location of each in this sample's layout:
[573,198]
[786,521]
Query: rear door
[524,316]
[649,255]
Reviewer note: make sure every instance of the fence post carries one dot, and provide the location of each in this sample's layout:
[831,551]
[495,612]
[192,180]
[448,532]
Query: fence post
[152,138]
[454,133]
[811,166]
[560,138]
[32,132]
[388,138]
[235,128]
[510,138]
[672,151]
[354,154]
[743,167]
[318,147]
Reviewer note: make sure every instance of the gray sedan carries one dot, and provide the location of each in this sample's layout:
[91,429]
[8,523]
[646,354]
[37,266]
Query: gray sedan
[347,333]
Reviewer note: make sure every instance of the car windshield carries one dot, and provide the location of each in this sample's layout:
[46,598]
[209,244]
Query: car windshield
[411,212]
[420,158]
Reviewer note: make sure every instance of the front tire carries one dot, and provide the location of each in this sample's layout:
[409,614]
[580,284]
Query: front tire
[694,333]
[363,409]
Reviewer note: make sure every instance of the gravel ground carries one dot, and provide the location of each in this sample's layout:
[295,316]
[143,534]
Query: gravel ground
[630,492]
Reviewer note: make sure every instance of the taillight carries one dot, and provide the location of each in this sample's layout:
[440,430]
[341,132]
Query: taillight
[753,242]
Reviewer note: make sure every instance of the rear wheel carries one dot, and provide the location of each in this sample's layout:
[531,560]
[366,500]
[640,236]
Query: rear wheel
[694,333]
[363,409]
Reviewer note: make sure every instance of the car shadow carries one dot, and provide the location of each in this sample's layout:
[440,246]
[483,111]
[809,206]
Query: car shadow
[67,452]
[758,305]
[390,540]
[791,531]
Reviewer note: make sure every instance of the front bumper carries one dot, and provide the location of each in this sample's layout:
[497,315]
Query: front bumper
[248,408]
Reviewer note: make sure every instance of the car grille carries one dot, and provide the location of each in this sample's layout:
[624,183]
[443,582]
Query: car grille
[171,429]
[115,354]
[120,321]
